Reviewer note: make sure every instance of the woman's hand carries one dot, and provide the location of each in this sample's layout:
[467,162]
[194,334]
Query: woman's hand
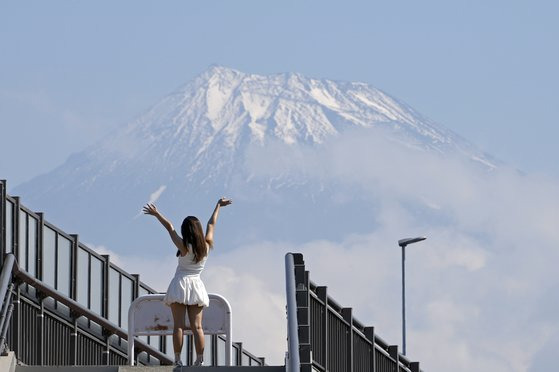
[224,202]
[150,209]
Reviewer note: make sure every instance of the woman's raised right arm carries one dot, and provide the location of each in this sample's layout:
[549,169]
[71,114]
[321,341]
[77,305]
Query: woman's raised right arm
[151,209]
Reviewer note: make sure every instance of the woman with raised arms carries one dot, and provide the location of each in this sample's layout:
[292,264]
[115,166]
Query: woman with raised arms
[186,293]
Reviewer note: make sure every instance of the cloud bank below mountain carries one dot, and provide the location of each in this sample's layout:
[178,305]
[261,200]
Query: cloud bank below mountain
[484,277]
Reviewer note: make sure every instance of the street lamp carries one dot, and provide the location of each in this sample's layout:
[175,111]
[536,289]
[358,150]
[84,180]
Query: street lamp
[403,243]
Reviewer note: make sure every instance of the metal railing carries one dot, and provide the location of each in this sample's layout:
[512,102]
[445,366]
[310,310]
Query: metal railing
[69,297]
[331,339]
[76,310]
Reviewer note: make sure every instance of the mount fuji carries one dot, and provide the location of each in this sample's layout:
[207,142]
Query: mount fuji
[262,140]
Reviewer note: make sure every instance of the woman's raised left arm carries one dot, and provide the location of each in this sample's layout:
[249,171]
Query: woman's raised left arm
[213,219]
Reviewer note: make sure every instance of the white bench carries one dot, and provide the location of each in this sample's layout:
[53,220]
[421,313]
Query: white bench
[149,316]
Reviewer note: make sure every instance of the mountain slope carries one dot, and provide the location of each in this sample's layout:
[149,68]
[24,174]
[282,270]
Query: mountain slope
[193,146]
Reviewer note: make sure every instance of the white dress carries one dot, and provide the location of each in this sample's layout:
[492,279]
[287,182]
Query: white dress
[186,287]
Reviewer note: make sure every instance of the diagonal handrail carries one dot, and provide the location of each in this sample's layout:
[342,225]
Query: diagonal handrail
[75,307]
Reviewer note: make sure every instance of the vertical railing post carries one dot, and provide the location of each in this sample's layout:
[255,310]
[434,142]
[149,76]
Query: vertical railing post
[105,295]
[135,286]
[40,234]
[41,330]
[73,266]
[15,231]
[322,294]
[163,344]
[414,367]
[214,349]
[239,354]
[107,351]
[105,308]
[348,317]
[190,357]
[305,349]
[293,355]
[393,352]
[74,339]
[303,313]
[370,334]
[135,294]
[2,220]
[16,322]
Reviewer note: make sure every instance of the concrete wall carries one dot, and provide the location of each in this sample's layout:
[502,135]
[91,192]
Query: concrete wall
[144,369]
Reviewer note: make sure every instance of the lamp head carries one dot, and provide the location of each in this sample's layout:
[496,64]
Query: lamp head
[404,242]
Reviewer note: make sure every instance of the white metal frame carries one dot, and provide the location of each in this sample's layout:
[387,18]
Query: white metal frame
[149,316]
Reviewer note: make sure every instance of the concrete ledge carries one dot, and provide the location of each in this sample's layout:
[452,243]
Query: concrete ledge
[201,369]
[8,362]
[145,369]
[67,369]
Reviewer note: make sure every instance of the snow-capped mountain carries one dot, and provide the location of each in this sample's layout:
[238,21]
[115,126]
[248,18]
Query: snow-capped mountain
[192,146]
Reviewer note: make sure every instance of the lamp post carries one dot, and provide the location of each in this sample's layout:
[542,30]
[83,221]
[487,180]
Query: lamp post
[403,243]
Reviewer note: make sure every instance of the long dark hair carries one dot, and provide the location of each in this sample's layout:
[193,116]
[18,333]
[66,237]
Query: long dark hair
[193,235]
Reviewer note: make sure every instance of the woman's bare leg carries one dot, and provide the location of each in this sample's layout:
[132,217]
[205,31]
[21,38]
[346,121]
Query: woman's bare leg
[179,311]
[195,318]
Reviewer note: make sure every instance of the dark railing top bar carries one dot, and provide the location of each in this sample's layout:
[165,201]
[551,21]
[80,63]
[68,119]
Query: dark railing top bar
[26,210]
[120,270]
[52,227]
[90,251]
[79,310]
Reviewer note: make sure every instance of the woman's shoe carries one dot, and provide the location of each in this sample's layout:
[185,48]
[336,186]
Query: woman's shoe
[178,363]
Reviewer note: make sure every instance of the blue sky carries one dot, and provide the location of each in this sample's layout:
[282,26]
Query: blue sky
[72,70]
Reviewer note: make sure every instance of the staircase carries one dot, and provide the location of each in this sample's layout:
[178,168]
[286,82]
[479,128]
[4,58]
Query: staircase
[63,304]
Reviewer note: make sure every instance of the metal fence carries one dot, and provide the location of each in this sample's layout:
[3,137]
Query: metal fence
[44,331]
[331,339]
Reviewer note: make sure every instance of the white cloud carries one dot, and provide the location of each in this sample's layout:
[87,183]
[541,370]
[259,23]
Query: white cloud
[156,194]
[475,285]
[481,290]
[153,197]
